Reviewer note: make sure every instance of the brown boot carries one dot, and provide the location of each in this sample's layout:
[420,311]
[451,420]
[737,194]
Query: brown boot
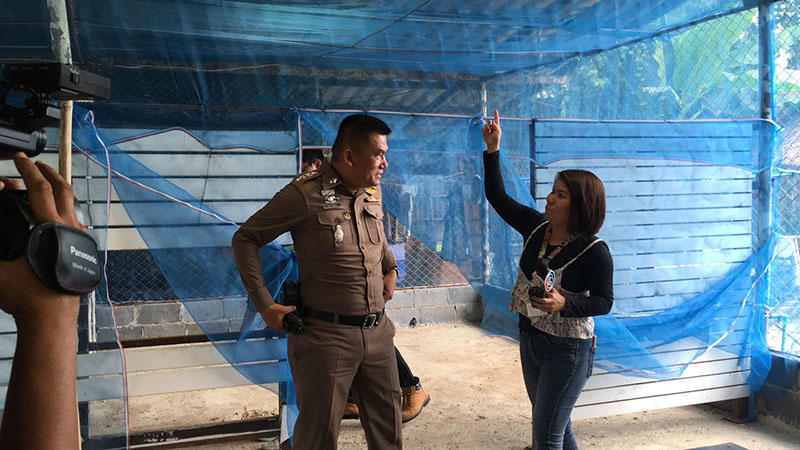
[350,411]
[414,399]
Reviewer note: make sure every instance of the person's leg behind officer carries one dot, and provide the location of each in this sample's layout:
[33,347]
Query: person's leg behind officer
[414,396]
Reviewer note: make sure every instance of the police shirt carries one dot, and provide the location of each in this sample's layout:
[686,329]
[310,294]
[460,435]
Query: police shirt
[338,236]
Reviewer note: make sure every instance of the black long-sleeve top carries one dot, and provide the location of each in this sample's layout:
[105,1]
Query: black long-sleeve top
[593,271]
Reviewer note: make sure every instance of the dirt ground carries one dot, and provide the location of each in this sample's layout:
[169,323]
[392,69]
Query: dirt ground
[478,401]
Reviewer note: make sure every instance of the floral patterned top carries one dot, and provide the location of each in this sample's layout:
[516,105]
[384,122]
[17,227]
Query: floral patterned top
[551,323]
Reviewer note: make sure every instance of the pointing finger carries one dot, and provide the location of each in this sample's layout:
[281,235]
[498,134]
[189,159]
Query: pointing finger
[496,117]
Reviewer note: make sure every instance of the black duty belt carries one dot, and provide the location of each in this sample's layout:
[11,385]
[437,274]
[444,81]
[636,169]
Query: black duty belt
[367,321]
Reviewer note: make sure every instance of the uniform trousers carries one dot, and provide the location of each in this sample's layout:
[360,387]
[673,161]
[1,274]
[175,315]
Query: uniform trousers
[326,364]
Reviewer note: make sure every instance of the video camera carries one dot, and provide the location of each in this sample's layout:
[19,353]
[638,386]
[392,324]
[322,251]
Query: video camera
[64,258]
[22,127]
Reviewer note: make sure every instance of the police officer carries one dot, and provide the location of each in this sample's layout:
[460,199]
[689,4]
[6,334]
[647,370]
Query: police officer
[347,273]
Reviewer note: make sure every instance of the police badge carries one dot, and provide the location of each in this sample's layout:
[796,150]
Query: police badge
[329,199]
[338,234]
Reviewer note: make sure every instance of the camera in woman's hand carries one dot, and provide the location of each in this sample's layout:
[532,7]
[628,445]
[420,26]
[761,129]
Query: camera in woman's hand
[537,292]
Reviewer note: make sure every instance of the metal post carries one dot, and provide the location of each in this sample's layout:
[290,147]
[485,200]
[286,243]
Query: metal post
[62,53]
[763,179]
[484,102]
[762,183]
[299,143]
[487,257]
[532,154]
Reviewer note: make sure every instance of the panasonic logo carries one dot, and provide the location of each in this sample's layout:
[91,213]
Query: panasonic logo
[82,255]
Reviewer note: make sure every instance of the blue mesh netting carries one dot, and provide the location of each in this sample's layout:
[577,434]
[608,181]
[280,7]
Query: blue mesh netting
[444,154]
[666,94]
[196,260]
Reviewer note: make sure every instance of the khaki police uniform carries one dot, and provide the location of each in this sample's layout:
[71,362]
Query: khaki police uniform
[342,255]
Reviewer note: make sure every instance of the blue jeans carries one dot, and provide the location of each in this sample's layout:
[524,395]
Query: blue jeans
[555,370]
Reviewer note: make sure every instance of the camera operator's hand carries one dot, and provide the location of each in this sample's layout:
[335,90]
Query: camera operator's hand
[8,183]
[42,392]
[51,198]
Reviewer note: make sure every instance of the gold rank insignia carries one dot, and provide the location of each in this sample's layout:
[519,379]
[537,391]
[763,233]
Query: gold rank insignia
[371,195]
[303,176]
[346,215]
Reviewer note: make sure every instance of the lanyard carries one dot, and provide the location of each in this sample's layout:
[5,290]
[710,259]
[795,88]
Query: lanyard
[546,240]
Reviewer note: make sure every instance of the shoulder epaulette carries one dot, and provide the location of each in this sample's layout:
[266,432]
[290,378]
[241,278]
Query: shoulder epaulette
[303,177]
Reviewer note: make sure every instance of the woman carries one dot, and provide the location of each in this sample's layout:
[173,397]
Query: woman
[556,328]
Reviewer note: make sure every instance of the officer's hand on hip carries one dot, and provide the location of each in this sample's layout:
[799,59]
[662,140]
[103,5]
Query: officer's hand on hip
[273,316]
[389,283]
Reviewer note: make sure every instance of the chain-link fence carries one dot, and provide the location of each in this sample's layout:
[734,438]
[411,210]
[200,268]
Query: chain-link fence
[784,321]
[420,266]
[134,275]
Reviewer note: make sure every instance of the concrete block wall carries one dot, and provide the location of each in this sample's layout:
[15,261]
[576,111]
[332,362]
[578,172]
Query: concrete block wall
[419,306]
[780,394]
[167,319]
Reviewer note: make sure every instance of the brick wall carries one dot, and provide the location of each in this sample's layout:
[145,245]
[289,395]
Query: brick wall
[171,318]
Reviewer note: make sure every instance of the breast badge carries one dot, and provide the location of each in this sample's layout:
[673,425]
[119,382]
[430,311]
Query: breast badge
[338,234]
[329,199]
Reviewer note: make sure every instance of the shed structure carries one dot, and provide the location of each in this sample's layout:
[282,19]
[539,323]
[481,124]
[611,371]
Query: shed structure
[680,107]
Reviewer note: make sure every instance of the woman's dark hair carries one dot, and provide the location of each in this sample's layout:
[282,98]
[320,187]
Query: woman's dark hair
[587,200]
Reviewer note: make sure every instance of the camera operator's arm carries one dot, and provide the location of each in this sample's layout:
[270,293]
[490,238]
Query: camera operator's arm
[41,404]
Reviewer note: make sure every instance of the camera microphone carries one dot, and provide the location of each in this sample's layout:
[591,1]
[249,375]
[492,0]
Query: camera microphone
[547,276]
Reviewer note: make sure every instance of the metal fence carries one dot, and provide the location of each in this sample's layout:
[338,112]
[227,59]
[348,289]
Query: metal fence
[784,319]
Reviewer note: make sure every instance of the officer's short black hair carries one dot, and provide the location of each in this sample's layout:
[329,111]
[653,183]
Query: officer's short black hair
[355,132]
[312,154]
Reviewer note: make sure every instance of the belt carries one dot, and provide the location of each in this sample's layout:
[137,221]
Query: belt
[366,321]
